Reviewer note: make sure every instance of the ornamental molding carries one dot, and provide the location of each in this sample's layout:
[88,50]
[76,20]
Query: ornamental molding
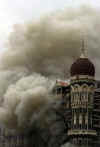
[82,77]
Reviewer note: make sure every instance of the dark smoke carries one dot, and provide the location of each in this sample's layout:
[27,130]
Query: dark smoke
[38,53]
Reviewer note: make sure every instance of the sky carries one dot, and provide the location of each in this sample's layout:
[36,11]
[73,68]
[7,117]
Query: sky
[19,11]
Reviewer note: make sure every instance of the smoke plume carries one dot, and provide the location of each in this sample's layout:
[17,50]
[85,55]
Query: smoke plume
[38,53]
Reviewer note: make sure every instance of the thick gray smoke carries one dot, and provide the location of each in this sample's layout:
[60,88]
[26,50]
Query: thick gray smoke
[37,54]
[29,94]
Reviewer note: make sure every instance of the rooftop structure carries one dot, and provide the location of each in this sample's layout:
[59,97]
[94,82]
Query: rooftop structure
[82,102]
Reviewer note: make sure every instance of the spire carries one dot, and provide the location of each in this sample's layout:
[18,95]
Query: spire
[83,50]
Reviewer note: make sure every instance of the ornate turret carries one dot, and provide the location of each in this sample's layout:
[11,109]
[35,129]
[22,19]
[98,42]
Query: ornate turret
[82,93]
[83,66]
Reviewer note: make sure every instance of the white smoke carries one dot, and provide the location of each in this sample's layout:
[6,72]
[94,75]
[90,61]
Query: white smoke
[38,52]
[24,100]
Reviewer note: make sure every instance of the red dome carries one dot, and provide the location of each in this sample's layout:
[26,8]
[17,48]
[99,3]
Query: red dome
[82,66]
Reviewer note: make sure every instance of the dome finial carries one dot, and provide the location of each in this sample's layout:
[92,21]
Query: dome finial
[83,50]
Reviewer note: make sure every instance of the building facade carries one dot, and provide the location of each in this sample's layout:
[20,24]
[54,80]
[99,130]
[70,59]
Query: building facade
[82,87]
[82,103]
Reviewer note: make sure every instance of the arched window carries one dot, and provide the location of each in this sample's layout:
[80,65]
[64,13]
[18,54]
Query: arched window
[86,119]
[80,119]
[85,93]
[77,93]
[76,86]
[75,119]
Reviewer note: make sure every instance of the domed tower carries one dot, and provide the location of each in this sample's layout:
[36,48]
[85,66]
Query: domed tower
[82,96]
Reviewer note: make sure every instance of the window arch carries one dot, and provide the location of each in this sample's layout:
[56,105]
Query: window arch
[84,93]
[77,87]
[85,87]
